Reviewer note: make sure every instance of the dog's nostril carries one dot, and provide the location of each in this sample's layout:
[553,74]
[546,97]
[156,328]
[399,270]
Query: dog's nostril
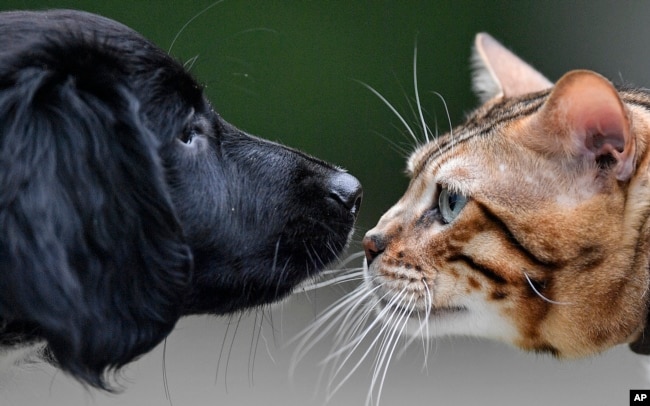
[373,245]
[347,190]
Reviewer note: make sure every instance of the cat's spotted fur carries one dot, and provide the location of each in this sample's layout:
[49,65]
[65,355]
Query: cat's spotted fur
[551,250]
[528,224]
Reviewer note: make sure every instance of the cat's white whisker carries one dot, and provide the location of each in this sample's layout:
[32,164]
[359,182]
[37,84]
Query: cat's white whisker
[347,277]
[444,103]
[393,109]
[190,62]
[422,322]
[324,323]
[353,322]
[355,342]
[428,300]
[388,351]
[338,365]
[355,299]
[387,332]
[417,94]
[360,317]
[332,310]
[388,312]
[356,366]
[197,15]
[415,115]
[538,293]
[350,326]
[350,258]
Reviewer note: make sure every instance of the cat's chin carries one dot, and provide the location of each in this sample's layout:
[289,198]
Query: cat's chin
[409,309]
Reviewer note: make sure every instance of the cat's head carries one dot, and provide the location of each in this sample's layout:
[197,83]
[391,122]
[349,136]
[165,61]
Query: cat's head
[529,222]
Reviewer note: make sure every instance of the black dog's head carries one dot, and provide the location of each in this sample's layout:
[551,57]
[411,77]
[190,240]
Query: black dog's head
[126,201]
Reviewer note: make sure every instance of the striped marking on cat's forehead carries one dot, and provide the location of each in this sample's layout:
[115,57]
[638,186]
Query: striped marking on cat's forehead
[637,97]
[483,122]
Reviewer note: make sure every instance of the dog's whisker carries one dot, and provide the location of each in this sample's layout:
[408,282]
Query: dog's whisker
[232,344]
[251,349]
[266,346]
[320,262]
[223,346]
[164,372]
[281,277]
[257,342]
[309,255]
[267,313]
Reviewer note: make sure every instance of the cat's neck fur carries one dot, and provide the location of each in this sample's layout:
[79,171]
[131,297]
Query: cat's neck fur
[638,207]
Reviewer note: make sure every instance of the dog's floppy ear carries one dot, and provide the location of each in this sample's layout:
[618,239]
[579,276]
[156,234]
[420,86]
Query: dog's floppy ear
[91,255]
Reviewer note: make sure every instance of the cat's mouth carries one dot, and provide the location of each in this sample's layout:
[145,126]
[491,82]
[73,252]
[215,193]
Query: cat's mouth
[410,303]
[414,311]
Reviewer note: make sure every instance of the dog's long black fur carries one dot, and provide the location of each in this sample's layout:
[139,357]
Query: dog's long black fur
[127,202]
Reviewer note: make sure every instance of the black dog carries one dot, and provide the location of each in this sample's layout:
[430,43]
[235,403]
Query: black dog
[126,201]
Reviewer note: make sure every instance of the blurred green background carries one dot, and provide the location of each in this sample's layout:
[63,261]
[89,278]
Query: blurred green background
[289,71]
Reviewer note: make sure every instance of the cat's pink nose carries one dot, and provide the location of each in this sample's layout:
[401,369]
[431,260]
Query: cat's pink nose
[373,245]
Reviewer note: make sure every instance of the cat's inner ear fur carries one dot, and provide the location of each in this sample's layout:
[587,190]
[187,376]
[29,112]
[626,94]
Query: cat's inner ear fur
[500,73]
[585,117]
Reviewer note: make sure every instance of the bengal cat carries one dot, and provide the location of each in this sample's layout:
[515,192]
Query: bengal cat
[526,224]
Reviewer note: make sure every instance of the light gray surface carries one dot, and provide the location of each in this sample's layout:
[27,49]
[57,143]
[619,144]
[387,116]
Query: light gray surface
[460,372]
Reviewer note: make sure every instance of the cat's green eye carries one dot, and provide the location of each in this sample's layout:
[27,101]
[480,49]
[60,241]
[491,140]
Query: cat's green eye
[450,204]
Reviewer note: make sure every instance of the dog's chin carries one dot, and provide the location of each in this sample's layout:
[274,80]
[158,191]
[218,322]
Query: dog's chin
[250,282]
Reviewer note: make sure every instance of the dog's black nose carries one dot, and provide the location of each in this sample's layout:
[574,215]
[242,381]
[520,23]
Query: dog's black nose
[346,189]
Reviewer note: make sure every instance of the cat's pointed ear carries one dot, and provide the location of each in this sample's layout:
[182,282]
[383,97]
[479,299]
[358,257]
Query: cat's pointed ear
[500,73]
[584,116]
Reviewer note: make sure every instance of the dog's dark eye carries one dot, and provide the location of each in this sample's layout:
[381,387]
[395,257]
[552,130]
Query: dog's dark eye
[188,136]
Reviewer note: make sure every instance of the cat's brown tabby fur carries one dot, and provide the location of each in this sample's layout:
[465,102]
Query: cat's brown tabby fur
[529,222]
